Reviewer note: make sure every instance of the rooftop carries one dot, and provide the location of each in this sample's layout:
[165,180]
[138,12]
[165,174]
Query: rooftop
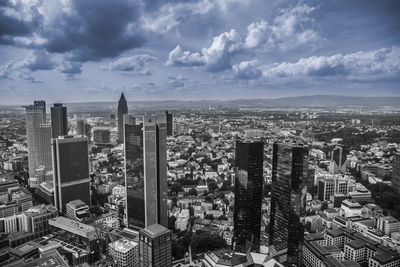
[72,226]
[123,245]
[155,230]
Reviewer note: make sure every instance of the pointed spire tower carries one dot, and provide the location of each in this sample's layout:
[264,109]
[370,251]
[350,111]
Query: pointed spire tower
[122,109]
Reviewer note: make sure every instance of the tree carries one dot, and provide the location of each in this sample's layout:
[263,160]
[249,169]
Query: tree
[205,242]
[226,201]
[212,186]
[192,192]
[171,223]
[209,217]
[324,205]
[176,188]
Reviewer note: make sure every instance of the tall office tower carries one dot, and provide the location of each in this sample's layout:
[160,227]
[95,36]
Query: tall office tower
[338,160]
[248,195]
[288,201]
[80,127]
[59,120]
[70,170]
[145,171]
[37,132]
[155,247]
[396,171]
[122,109]
[170,126]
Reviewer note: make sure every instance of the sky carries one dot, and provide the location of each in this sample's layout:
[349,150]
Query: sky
[92,50]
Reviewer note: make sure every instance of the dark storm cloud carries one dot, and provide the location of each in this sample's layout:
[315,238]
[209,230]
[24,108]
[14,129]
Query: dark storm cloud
[94,29]
[18,20]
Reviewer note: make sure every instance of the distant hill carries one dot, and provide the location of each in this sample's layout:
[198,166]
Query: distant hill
[287,102]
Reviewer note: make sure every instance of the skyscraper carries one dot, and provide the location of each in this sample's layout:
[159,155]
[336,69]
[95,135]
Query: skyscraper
[38,136]
[80,127]
[59,120]
[248,195]
[122,109]
[396,171]
[155,247]
[170,126]
[145,171]
[70,170]
[288,201]
[338,160]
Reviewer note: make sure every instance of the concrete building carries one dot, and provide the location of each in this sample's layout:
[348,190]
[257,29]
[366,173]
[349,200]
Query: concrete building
[125,252]
[155,246]
[388,225]
[77,210]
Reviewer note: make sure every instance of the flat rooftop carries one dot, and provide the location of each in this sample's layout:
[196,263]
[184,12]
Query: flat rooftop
[74,227]
[155,230]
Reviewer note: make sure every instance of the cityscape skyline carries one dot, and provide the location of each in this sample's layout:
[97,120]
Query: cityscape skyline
[170,50]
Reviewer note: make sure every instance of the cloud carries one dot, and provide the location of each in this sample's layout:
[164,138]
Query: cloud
[176,81]
[37,60]
[359,65]
[84,30]
[71,69]
[18,19]
[257,34]
[216,58]
[288,30]
[171,15]
[247,70]
[178,57]
[135,64]
[95,29]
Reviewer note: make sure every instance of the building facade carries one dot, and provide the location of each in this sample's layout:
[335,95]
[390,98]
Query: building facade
[145,171]
[71,170]
[248,195]
[38,137]
[155,247]
[122,109]
[59,120]
[288,201]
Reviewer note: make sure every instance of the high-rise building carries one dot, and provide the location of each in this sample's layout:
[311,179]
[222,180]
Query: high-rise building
[145,171]
[101,136]
[288,201]
[155,247]
[38,136]
[338,160]
[80,127]
[70,170]
[248,195]
[59,120]
[170,125]
[396,171]
[122,109]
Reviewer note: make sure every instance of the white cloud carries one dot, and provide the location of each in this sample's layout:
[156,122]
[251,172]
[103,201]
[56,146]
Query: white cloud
[135,64]
[216,57]
[171,15]
[247,70]
[359,65]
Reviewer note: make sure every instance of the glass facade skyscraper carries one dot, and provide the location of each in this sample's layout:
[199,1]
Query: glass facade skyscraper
[170,125]
[59,120]
[145,170]
[122,109]
[38,136]
[248,195]
[70,170]
[288,201]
